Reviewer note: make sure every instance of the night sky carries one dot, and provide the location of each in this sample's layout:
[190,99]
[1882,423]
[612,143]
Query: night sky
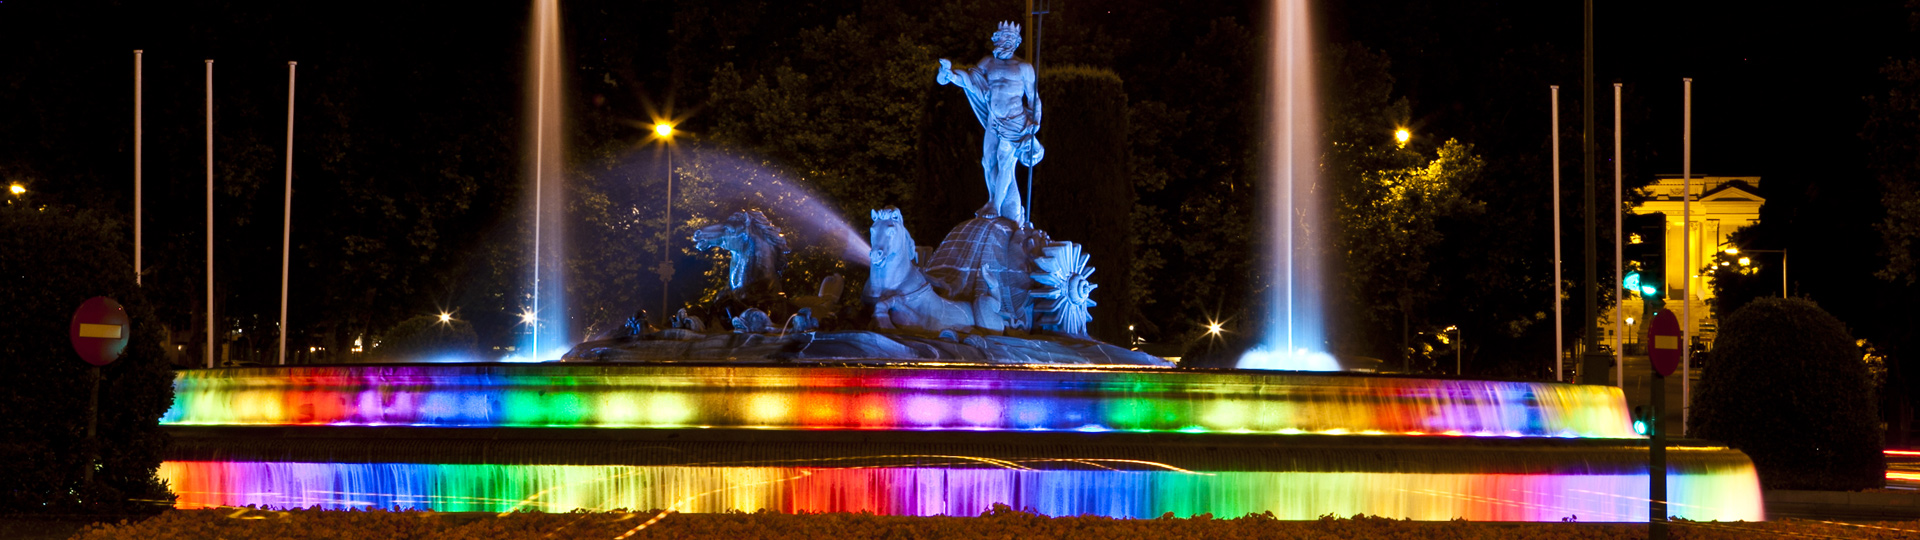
[1777,91]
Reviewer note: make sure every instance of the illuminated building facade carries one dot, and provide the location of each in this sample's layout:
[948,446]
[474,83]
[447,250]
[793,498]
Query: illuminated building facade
[1720,206]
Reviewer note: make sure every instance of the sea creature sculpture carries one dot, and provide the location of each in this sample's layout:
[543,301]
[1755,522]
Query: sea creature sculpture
[1065,294]
[904,298]
[757,252]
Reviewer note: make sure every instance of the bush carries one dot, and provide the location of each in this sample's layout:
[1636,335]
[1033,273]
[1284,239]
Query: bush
[1788,387]
[55,259]
[426,337]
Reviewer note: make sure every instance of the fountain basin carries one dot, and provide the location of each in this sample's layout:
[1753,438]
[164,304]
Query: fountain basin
[926,440]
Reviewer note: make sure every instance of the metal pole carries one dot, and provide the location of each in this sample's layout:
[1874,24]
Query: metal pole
[1559,331]
[1619,264]
[93,418]
[286,226]
[1686,248]
[1589,311]
[1459,343]
[1039,18]
[136,166]
[1657,462]
[665,259]
[210,340]
[1783,273]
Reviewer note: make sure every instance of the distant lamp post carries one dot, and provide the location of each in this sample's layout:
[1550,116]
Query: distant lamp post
[446,318]
[664,132]
[16,189]
[1783,263]
[1401,136]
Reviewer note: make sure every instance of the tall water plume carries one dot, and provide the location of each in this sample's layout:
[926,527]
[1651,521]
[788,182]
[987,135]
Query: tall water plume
[1293,334]
[545,316]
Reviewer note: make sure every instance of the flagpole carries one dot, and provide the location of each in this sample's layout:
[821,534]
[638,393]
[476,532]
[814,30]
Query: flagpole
[210,340]
[1619,265]
[286,225]
[1559,331]
[137,186]
[1686,247]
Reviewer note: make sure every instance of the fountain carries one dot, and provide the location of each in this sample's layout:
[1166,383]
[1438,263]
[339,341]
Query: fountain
[546,313]
[1292,337]
[975,386]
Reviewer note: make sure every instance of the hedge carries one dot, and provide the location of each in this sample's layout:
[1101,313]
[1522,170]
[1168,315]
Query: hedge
[1787,385]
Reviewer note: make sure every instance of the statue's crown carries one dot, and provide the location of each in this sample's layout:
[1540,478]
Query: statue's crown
[1008,30]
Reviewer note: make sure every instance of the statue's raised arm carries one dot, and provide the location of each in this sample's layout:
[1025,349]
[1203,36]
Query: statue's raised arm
[1002,91]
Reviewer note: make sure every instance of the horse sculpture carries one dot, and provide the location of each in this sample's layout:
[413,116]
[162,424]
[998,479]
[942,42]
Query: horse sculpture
[757,252]
[903,297]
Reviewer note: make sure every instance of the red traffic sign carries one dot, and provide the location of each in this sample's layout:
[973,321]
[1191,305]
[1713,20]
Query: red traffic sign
[1664,343]
[100,330]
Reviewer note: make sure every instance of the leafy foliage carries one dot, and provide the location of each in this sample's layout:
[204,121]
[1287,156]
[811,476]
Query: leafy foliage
[54,259]
[1788,387]
[1893,131]
[425,337]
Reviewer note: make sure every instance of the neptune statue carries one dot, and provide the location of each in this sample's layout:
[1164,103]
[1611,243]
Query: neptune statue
[1001,90]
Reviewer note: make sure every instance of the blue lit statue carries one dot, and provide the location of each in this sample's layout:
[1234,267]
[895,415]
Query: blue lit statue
[758,254]
[1001,90]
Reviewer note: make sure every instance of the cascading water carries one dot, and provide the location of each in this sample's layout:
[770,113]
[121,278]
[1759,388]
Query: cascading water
[544,319]
[1293,337]
[730,182]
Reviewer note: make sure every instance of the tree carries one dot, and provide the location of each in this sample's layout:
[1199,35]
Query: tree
[1789,388]
[426,337]
[55,258]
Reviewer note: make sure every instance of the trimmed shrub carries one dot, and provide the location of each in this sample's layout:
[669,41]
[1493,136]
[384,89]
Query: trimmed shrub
[1787,386]
[425,337]
[54,259]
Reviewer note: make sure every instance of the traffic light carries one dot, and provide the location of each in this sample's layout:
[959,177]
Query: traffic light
[1643,420]
[1645,251]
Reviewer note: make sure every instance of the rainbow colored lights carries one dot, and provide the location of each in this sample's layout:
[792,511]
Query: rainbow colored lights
[870,398]
[711,438]
[962,487]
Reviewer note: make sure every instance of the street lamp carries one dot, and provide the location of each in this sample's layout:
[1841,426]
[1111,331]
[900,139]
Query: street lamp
[1401,136]
[16,189]
[664,131]
[1783,263]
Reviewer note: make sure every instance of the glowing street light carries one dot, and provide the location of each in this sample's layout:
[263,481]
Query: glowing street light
[1214,328]
[527,317]
[664,131]
[446,317]
[1401,136]
[16,189]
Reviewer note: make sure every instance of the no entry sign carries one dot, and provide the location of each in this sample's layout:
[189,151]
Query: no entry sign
[1664,343]
[100,330]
